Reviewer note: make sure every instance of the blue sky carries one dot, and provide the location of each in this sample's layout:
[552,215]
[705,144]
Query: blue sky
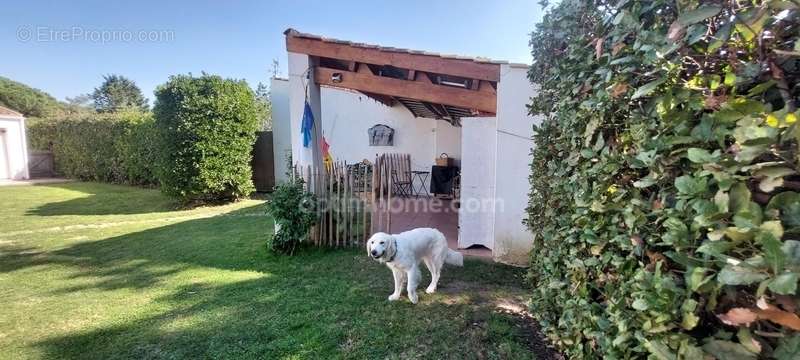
[58,46]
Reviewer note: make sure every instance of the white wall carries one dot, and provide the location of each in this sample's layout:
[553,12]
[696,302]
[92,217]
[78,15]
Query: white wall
[513,241]
[301,88]
[476,216]
[281,126]
[346,116]
[16,147]
[448,140]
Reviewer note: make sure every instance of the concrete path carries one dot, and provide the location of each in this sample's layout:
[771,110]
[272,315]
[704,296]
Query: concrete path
[7,182]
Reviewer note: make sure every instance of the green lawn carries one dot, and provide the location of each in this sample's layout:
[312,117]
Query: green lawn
[102,271]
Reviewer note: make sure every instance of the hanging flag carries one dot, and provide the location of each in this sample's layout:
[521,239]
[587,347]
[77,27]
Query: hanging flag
[307,126]
[327,157]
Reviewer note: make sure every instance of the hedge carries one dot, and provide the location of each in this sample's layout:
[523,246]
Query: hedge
[664,197]
[116,147]
[207,126]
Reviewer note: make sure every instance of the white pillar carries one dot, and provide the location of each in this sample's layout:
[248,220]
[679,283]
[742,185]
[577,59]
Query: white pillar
[478,164]
[301,83]
[281,131]
[512,240]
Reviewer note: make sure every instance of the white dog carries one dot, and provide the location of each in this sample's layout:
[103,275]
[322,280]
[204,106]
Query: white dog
[403,252]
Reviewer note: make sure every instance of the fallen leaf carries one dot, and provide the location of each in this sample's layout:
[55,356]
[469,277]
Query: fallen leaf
[676,31]
[781,317]
[777,72]
[598,48]
[657,205]
[636,240]
[618,89]
[713,102]
[738,316]
[655,257]
[769,312]
[617,48]
[786,302]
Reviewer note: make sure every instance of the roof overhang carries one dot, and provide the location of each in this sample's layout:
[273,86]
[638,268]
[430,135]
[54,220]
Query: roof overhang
[427,84]
[7,113]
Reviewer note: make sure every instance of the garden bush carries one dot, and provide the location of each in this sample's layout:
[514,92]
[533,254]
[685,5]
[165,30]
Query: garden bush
[665,192]
[115,147]
[207,126]
[294,212]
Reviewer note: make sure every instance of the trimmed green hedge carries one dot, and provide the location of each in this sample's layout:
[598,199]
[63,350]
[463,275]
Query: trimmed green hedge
[207,126]
[116,147]
[664,198]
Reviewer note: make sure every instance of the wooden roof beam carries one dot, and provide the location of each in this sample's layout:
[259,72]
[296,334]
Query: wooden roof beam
[439,94]
[429,63]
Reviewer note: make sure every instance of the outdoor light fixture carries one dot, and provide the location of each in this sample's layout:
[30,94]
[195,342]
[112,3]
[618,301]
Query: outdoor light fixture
[450,83]
[336,77]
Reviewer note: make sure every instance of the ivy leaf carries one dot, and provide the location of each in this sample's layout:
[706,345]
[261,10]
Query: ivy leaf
[740,197]
[696,277]
[646,89]
[791,249]
[640,304]
[739,275]
[660,350]
[788,348]
[773,254]
[689,185]
[746,339]
[698,15]
[702,156]
[728,350]
[788,203]
[773,227]
[784,284]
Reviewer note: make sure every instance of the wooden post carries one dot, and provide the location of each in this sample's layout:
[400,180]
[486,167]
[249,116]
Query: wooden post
[389,185]
[338,203]
[346,241]
[330,208]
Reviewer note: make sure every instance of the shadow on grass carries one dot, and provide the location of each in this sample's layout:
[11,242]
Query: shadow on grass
[105,199]
[329,304]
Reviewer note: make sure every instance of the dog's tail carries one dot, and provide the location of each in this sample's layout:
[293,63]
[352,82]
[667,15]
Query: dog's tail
[454,258]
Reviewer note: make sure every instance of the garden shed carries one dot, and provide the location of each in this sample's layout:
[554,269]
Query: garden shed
[369,100]
[13,146]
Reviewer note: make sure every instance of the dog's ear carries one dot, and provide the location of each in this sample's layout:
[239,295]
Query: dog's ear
[369,241]
[391,244]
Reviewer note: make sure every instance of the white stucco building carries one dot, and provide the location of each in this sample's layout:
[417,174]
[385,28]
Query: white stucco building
[474,110]
[13,146]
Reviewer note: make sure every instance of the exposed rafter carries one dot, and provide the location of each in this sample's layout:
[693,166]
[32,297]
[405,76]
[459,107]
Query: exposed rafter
[425,91]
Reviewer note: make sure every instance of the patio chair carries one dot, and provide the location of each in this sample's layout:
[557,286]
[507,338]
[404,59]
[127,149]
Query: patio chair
[402,186]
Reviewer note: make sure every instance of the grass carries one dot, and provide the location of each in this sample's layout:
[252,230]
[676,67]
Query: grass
[96,271]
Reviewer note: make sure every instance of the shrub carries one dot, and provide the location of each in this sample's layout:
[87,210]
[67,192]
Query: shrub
[115,148]
[207,126]
[664,197]
[294,212]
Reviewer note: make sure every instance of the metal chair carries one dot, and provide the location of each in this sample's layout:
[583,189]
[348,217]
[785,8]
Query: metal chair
[401,187]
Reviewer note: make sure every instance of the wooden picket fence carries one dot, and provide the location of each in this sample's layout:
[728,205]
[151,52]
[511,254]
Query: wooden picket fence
[354,199]
[343,195]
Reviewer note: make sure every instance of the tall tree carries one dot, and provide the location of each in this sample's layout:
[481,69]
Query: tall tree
[118,92]
[27,100]
[262,96]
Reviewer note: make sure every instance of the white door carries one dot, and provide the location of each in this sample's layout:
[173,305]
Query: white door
[4,172]
[476,214]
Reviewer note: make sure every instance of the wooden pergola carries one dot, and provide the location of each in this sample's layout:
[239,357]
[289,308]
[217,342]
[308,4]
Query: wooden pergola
[429,85]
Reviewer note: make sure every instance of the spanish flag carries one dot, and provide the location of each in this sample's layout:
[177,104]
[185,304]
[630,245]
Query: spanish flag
[327,157]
